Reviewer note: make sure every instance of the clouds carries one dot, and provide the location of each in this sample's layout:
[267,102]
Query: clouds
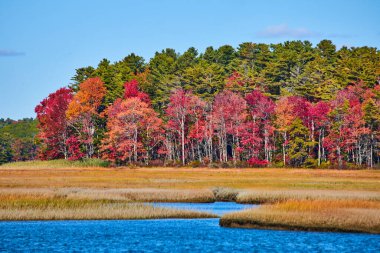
[283,30]
[9,53]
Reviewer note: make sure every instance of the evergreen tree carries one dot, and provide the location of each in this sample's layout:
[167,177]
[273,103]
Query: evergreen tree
[81,75]
[204,79]
[298,143]
[5,148]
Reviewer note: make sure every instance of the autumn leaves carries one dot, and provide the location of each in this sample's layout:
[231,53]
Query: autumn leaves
[233,128]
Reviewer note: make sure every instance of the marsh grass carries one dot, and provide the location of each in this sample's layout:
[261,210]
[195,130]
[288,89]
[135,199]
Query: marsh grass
[54,174]
[225,194]
[128,195]
[274,196]
[81,203]
[311,215]
[64,190]
[44,207]
[103,211]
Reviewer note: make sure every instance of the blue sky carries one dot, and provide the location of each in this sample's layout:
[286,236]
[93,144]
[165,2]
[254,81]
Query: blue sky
[43,42]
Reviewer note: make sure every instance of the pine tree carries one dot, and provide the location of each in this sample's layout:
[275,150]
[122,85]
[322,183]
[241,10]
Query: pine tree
[298,143]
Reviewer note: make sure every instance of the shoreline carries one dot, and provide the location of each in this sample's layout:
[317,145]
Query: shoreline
[282,227]
[360,216]
[114,211]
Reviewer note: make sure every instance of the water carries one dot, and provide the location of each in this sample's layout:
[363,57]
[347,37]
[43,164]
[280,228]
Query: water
[172,235]
[218,208]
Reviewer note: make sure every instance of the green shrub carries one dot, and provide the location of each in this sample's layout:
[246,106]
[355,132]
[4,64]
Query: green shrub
[213,165]
[241,164]
[226,165]
[92,162]
[311,163]
[195,164]
[59,163]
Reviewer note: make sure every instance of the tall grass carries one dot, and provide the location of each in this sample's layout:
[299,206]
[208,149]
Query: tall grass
[274,196]
[68,190]
[98,211]
[59,163]
[311,215]
[44,206]
[225,194]
[53,174]
[129,195]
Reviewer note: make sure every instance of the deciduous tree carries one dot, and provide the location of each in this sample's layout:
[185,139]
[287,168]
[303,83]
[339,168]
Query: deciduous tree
[84,111]
[53,124]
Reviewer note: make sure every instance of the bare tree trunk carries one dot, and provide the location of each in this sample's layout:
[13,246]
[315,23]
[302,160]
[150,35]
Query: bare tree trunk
[266,151]
[199,151]
[323,149]
[210,150]
[319,148]
[283,150]
[233,149]
[135,144]
[339,158]
[220,148]
[371,152]
[183,141]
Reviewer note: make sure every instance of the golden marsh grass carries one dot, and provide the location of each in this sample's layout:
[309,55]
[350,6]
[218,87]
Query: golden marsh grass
[273,196]
[311,215]
[61,190]
[51,175]
[118,194]
[35,207]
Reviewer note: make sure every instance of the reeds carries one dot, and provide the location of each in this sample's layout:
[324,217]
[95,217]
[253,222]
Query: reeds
[62,190]
[127,195]
[82,203]
[37,206]
[99,211]
[274,196]
[225,194]
[311,215]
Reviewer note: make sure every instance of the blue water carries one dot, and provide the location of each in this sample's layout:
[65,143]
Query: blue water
[172,235]
[218,208]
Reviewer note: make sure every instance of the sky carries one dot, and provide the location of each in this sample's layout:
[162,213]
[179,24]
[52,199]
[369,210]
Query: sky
[43,42]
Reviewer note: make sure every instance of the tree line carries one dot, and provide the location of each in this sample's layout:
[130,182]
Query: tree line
[18,140]
[286,104]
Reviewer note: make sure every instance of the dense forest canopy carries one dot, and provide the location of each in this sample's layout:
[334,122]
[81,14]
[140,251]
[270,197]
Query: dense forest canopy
[288,104]
[290,68]
[17,140]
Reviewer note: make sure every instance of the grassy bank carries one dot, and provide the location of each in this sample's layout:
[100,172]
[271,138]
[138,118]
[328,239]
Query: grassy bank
[88,204]
[310,215]
[34,207]
[118,194]
[274,196]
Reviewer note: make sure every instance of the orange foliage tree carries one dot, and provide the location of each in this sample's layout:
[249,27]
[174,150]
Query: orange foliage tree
[284,118]
[84,111]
